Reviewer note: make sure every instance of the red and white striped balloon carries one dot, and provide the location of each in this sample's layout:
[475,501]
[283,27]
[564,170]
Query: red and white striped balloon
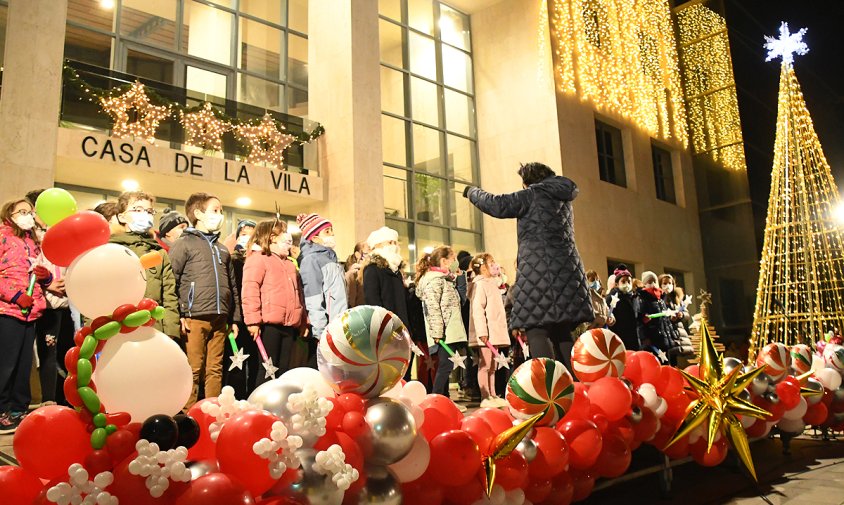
[776,360]
[833,356]
[801,358]
[598,353]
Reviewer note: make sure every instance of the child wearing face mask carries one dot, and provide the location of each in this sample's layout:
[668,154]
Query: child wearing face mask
[135,214]
[273,296]
[243,380]
[657,335]
[599,305]
[322,275]
[672,295]
[383,280]
[487,323]
[626,312]
[209,301]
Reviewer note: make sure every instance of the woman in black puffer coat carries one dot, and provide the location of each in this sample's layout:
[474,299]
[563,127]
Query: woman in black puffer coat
[656,335]
[550,295]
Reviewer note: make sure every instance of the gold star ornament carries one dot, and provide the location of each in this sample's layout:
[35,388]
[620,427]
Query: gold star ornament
[719,403]
[203,129]
[266,143]
[133,114]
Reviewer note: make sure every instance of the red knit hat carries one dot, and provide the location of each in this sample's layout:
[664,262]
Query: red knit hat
[311,225]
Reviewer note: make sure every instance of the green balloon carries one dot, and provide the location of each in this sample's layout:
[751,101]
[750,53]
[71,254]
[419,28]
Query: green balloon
[98,438]
[110,428]
[55,204]
[83,372]
[136,319]
[90,399]
[107,330]
[158,313]
[89,345]
[100,420]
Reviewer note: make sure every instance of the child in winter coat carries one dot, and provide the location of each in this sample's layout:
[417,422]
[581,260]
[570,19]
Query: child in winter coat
[672,295]
[322,276]
[487,323]
[436,287]
[656,334]
[273,300]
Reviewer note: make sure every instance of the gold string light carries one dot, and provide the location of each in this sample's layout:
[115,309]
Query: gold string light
[135,102]
[203,128]
[266,143]
[801,278]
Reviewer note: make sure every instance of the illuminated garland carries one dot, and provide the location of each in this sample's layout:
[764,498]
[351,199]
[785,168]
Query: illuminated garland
[203,129]
[266,141]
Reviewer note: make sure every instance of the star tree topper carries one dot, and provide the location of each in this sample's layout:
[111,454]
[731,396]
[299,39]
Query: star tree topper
[718,403]
[786,45]
[265,141]
[147,116]
[203,129]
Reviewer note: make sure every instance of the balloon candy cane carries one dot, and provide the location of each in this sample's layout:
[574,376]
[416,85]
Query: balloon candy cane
[267,361]
[455,358]
[238,357]
[500,360]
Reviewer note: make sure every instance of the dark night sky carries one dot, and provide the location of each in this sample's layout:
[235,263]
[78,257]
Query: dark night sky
[820,72]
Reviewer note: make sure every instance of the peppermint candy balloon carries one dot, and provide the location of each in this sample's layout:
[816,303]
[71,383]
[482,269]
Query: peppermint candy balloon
[598,353]
[801,358]
[775,359]
[365,351]
[833,357]
[540,385]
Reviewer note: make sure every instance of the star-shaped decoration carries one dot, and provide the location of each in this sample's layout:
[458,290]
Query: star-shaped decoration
[719,402]
[416,350]
[269,368]
[614,301]
[786,45]
[266,143]
[687,300]
[237,360]
[458,360]
[501,361]
[705,297]
[134,104]
[203,129]
[663,359]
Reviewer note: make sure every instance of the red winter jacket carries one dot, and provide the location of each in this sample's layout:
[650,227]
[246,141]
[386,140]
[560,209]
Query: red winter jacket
[272,291]
[17,256]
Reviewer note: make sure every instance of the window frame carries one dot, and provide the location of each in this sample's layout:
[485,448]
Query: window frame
[617,174]
[664,183]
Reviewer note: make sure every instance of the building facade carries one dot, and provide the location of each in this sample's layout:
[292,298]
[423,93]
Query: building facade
[418,98]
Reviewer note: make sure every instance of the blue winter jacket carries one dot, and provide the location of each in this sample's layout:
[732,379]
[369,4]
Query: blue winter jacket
[324,283]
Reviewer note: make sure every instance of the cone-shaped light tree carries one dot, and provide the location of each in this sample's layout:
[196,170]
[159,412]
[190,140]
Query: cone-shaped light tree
[801,277]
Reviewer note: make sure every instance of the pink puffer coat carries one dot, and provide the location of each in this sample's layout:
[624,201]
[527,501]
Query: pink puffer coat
[17,256]
[272,291]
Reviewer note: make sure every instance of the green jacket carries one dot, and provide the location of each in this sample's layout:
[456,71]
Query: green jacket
[161,283]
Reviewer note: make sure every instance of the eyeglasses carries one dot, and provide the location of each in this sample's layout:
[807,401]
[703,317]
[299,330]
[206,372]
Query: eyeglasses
[22,213]
[151,212]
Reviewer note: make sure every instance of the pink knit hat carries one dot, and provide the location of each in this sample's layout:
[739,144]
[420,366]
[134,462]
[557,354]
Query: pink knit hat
[311,225]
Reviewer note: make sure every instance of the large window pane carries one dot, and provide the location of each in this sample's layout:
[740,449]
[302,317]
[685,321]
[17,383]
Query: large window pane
[420,15]
[423,100]
[392,91]
[463,213]
[423,57]
[149,66]
[390,9]
[297,102]
[86,46]
[457,69]
[462,158]
[269,10]
[430,237]
[93,13]
[297,60]
[471,242]
[427,151]
[149,22]
[209,32]
[395,192]
[407,247]
[260,49]
[393,140]
[259,92]
[459,113]
[391,44]
[297,15]
[207,83]
[454,27]
[429,199]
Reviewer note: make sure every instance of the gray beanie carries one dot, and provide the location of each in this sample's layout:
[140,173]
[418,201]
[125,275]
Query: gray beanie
[169,220]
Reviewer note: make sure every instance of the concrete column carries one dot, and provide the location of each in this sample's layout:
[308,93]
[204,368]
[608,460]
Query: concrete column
[344,95]
[31,95]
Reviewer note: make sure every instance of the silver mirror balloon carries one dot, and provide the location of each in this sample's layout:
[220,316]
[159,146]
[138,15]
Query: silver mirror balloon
[273,396]
[382,487]
[760,384]
[528,448]
[311,487]
[815,386]
[201,468]
[731,363]
[392,431]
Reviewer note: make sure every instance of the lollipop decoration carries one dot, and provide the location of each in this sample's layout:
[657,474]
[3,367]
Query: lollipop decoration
[598,353]
[801,358]
[269,368]
[500,359]
[458,359]
[540,385]
[775,359]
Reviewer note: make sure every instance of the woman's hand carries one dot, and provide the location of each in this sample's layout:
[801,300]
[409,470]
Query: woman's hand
[56,287]
[254,330]
[483,339]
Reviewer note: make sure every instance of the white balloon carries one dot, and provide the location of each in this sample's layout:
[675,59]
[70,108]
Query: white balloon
[829,378]
[394,392]
[817,363]
[747,421]
[515,497]
[498,495]
[412,466]
[661,408]
[648,394]
[104,278]
[414,391]
[797,412]
[696,434]
[793,426]
[305,375]
[143,373]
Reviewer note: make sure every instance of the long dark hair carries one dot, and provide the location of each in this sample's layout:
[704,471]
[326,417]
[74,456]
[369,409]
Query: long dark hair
[431,259]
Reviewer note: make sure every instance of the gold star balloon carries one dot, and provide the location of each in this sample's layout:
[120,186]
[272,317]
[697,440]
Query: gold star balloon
[134,102]
[719,403]
[203,129]
[265,141]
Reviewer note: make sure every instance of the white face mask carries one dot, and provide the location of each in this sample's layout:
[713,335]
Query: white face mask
[282,245]
[329,242]
[212,221]
[625,287]
[668,288]
[26,222]
[242,241]
[139,222]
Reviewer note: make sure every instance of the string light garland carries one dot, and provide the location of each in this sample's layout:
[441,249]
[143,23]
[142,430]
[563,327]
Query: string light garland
[134,103]
[203,129]
[620,56]
[801,278]
[266,142]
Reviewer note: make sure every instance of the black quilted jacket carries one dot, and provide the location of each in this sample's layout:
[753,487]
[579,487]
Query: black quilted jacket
[551,282]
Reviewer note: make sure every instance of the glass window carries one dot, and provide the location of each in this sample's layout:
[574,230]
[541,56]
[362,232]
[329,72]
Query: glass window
[466,241]
[260,49]
[390,9]
[463,213]
[427,151]
[297,102]
[209,32]
[93,13]
[457,69]
[459,113]
[391,43]
[423,56]
[152,23]
[392,91]
[297,15]
[430,237]
[297,60]
[613,262]
[405,241]
[207,83]
[454,27]
[679,278]
[268,10]
[393,140]
[150,66]
[429,199]
[420,15]
[86,46]
[462,158]
[88,200]
[610,154]
[395,192]
[260,92]
[423,101]
[663,175]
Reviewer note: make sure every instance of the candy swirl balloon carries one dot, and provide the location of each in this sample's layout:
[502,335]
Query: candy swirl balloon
[775,358]
[801,358]
[598,353]
[540,385]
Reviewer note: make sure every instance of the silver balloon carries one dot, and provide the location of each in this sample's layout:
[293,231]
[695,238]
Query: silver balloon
[392,430]
[635,415]
[273,395]
[771,397]
[816,386]
[201,468]
[838,395]
[528,448]
[312,487]
[744,395]
[627,382]
[760,384]
[382,487]
[732,363]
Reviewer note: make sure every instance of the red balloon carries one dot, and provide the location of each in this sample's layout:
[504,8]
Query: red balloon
[580,405]
[50,439]
[479,430]
[583,482]
[562,490]
[71,393]
[98,461]
[816,414]
[499,420]
[512,472]
[468,492]
[235,454]
[789,394]
[354,424]
[334,419]
[714,456]
[216,488]
[670,382]
[776,409]
[121,444]
[436,422]
[584,441]
[455,458]
[422,492]
[614,457]
[679,450]
[204,449]
[624,428]
[677,406]
[664,434]
[132,489]
[18,485]
[74,235]
[538,490]
[443,405]
[71,359]
[757,429]
[552,455]
[642,367]
[645,429]
[611,397]
[693,370]
[351,402]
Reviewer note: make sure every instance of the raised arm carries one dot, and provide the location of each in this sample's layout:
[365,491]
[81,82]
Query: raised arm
[507,206]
